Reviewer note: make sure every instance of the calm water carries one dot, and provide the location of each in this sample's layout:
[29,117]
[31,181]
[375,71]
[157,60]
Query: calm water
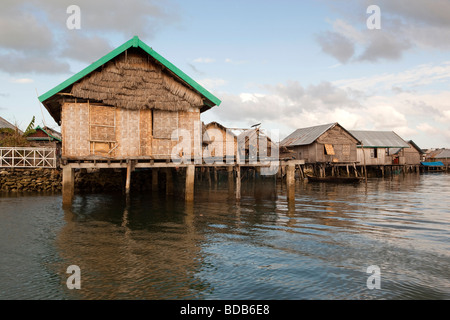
[262,248]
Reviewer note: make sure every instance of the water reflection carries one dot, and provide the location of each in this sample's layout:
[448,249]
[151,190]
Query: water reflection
[137,250]
[263,247]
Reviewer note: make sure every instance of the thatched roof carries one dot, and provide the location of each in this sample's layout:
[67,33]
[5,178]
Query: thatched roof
[130,81]
[133,76]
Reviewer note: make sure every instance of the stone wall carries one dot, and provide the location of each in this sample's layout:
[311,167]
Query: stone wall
[30,180]
[91,181]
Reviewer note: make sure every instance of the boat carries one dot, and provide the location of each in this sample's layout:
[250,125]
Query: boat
[335,179]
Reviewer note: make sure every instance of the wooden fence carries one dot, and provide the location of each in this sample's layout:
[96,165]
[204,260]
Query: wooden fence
[28,157]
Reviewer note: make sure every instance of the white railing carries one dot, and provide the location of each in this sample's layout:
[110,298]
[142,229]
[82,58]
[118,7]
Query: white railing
[18,157]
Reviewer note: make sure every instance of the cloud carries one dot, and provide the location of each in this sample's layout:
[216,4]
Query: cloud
[34,37]
[421,75]
[236,62]
[204,60]
[405,25]
[76,44]
[22,80]
[336,45]
[212,83]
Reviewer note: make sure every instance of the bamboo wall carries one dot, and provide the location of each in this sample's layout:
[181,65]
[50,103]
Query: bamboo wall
[98,130]
[343,145]
[366,157]
[224,143]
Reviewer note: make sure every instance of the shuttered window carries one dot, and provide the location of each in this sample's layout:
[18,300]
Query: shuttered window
[329,150]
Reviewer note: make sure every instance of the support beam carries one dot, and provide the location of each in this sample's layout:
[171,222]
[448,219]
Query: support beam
[190,180]
[290,181]
[68,185]
[238,182]
[154,179]
[169,181]
[128,181]
[230,180]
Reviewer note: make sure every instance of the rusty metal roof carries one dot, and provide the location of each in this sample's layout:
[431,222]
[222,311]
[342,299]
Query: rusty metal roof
[443,153]
[379,139]
[305,136]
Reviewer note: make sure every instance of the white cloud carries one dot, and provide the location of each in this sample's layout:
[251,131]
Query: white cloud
[231,61]
[212,83]
[420,75]
[22,80]
[204,60]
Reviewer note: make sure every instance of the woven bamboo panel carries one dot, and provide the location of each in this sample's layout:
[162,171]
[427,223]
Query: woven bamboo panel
[75,129]
[164,123]
[102,123]
[190,120]
[145,132]
[128,133]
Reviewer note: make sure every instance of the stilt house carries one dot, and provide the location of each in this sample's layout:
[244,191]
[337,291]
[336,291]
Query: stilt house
[408,156]
[320,144]
[223,142]
[375,146]
[128,105]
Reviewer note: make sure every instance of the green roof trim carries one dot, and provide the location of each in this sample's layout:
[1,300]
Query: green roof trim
[136,43]
[40,138]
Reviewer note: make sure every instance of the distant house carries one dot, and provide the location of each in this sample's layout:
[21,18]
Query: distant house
[320,144]
[223,142]
[252,143]
[375,146]
[409,156]
[10,135]
[439,155]
[4,124]
[45,137]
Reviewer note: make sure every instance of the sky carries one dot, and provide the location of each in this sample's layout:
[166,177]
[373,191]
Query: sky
[284,64]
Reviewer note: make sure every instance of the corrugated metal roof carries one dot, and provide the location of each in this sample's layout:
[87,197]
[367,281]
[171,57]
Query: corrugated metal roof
[305,136]
[379,139]
[5,124]
[444,153]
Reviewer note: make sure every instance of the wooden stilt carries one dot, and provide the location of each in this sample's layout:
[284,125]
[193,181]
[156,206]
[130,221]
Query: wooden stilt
[238,182]
[290,182]
[154,179]
[68,185]
[230,180]
[128,182]
[169,181]
[190,179]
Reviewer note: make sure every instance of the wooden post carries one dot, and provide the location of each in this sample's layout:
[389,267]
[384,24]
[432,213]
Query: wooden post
[68,185]
[190,179]
[208,176]
[169,181]
[302,176]
[154,179]
[290,182]
[128,182]
[230,180]
[238,182]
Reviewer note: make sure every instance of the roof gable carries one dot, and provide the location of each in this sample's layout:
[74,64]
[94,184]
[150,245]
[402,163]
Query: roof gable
[209,99]
[306,136]
[379,139]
